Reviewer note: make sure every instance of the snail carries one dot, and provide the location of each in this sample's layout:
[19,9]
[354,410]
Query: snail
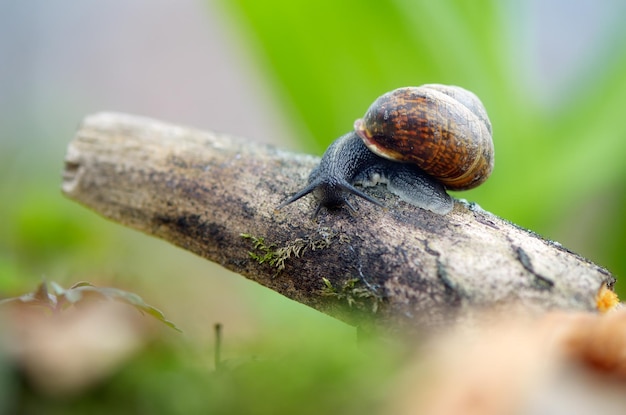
[419,141]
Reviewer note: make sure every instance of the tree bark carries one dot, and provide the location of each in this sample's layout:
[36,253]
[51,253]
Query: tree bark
[400,267]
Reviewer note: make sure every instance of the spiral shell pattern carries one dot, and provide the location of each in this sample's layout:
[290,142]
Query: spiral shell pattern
[442,129]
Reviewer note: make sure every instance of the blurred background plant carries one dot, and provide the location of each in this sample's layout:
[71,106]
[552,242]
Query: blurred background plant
[296,74]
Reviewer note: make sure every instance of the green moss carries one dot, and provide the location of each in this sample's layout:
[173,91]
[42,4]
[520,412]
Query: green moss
[263,252]
[270,253]
[353,292]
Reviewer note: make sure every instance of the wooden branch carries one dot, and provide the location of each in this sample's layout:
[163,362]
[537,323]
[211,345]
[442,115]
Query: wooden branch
[216,196]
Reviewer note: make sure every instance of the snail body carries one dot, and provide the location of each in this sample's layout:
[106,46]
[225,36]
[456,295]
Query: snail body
[416,140]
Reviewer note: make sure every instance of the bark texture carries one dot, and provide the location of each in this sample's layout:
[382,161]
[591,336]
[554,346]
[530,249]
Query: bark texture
[216,196]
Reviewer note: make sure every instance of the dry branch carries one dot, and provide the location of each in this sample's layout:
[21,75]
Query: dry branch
[216,196]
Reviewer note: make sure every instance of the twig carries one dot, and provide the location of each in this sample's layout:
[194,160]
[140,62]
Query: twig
[216,196]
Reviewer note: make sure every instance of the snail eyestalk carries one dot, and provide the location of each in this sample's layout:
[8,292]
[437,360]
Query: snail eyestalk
[331,195]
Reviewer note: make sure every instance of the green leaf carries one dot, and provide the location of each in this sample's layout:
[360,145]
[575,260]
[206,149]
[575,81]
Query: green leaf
[126,297]
[79,292]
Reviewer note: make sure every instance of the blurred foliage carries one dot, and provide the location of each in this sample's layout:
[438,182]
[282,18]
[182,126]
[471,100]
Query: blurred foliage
[321,377]
[296,372]
[559,168]
[45,234]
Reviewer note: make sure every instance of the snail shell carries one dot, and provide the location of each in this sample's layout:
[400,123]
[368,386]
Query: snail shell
[442,129]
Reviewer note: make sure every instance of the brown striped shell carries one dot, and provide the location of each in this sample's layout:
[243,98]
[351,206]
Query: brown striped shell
[442,129]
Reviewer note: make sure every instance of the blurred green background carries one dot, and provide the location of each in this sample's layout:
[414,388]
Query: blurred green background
[552,76]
